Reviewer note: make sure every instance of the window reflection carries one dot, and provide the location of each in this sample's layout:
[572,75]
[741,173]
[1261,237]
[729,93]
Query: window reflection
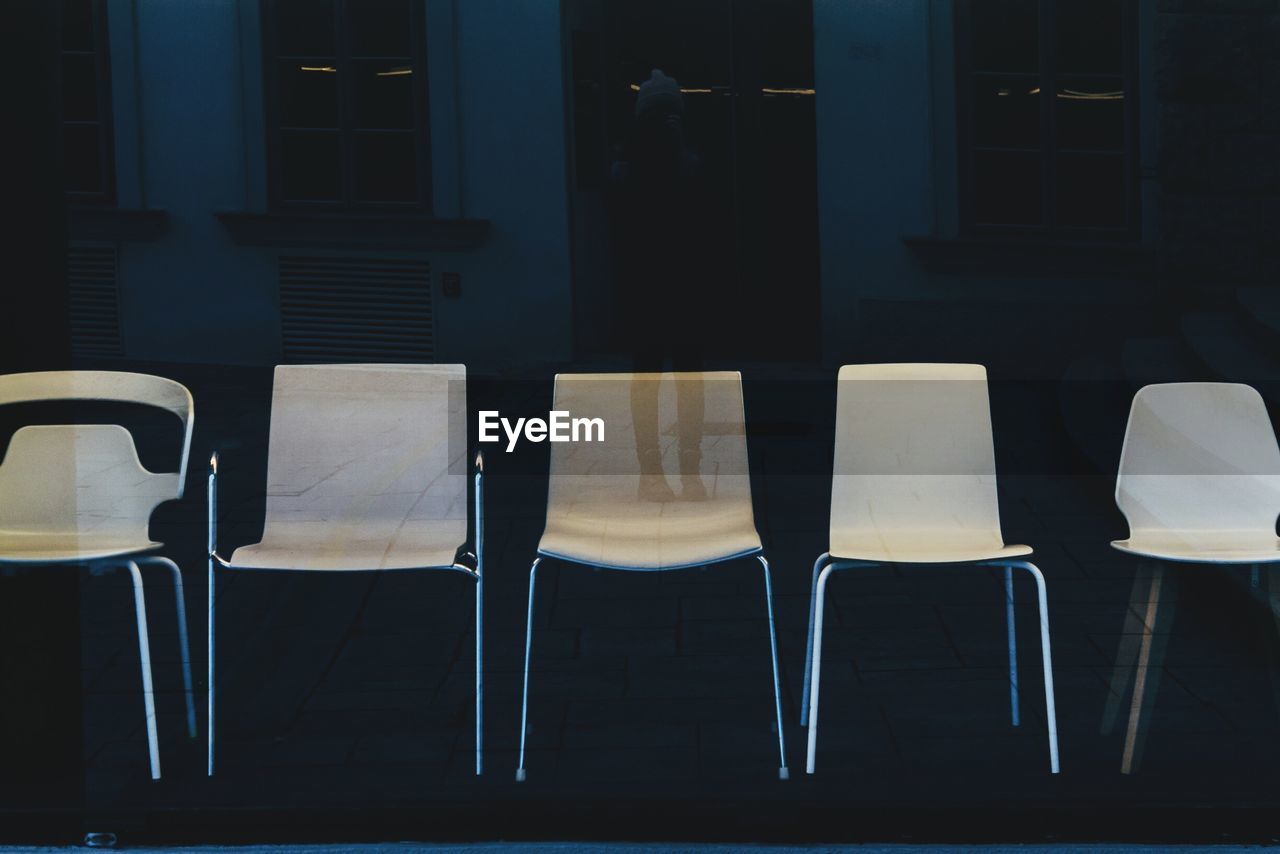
[348,111]
[1070,154]
[86,102]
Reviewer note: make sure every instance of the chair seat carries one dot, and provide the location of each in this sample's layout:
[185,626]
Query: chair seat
[352,557]
[657,536]
[1204,546]
[911,547]
[35,548]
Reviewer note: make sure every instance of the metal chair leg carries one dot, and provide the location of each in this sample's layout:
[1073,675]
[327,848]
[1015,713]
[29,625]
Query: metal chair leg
[212,543]
[144,652]
[479,675]
[808,646]
[1050,706]
[184,642]
[783,773]
[528,648]
[211,690]
[816,658]
[1127,649]
[1013,647]
[1156,621]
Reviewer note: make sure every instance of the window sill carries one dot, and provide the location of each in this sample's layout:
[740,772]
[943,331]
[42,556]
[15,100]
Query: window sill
[117,225]
[353,231]
[1009,256]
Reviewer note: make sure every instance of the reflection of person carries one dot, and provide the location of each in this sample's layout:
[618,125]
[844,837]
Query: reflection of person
[659,215]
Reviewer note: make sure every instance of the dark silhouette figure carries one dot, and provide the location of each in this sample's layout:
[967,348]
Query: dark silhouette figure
[661,222]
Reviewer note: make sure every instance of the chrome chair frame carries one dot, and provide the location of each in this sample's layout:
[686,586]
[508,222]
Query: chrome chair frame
[133,561]
[822,571]
[758,554]
[133,564]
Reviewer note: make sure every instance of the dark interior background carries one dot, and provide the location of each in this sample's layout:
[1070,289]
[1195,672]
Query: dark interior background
[345,710]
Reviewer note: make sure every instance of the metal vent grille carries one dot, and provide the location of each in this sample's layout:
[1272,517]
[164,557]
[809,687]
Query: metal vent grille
[95,301]
[356,310]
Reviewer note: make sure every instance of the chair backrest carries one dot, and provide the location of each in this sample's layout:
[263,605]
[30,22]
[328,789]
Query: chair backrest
[358,451]
[85,480]
[914,452]
[107,386]
[1199,457]
[654,417]
[82,481]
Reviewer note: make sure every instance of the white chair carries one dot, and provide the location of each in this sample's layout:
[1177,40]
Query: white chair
[366,471]
[667,488]
[1199,482]
[77,494]
[915,482]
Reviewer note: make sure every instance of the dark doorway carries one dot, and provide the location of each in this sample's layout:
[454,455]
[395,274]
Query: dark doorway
[746,70]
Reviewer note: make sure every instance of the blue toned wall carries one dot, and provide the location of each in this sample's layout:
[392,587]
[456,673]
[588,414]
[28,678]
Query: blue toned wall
[510,154]
[192,295]
[886,129]
[871,69]
[189,129]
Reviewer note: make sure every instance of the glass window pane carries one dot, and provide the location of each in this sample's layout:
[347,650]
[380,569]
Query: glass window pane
[1006,187]
[383,95]
[1090,35]
[308,95]
[1006,111]
[77,25]
[380,28]
[787,60]
[79,88]
[385,167]
[82,158]
[311,162]
[1091,190]
[1091,113]
[1005,35]
[305,28]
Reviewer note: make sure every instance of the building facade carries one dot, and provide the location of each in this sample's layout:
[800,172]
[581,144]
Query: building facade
[258,203]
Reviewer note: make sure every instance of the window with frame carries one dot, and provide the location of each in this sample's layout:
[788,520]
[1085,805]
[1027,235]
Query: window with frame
[346,104]
[1047,100]
[87,150]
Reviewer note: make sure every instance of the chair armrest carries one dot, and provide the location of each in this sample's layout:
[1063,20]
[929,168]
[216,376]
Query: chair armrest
[213,510]
[479,511]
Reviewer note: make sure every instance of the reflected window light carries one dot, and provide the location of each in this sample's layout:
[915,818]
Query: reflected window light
[1077,95]
[1074,95]
[1046,145]
[329,69]
[768,90]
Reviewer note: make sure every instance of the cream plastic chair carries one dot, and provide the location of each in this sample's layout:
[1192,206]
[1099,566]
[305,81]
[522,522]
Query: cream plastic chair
[77,494]
[1199,482]
[366,471]
[915,482]
[667,488]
